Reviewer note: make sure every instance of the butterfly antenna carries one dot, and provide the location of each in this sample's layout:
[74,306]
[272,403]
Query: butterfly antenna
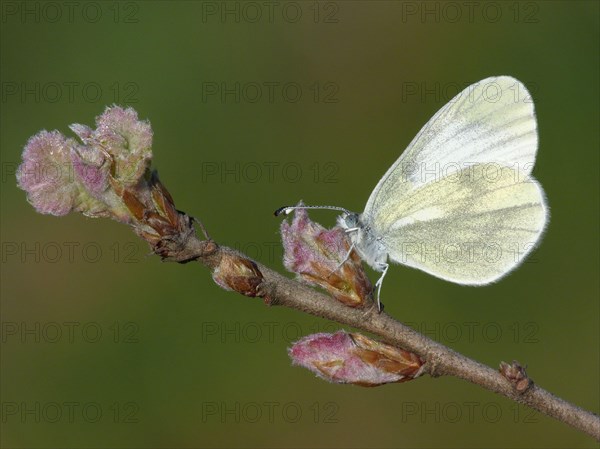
[288,209]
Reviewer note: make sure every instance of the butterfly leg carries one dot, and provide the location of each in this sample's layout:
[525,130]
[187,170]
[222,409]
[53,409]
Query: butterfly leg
[384,267]
[347,231]
[343,261]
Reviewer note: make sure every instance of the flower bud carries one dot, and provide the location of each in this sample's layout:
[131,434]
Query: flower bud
[239,274]
[108,175]
[47,176]
[516,374]
[127,140]
[61,175]
[320,257]
[355,359]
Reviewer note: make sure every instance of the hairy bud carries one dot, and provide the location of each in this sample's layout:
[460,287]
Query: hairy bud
[321,257]
[355,359]
[239,274]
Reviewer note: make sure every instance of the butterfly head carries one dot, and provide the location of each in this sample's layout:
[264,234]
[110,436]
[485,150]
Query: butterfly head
[348,220]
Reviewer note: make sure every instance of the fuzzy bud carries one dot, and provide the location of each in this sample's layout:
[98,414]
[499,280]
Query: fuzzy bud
[320,257]
[517,375]
[355,359]
[239,274]
[107,175]
[61,175]
[48,177]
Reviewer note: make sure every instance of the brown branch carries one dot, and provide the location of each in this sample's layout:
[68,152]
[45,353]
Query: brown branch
[172,236]
[149,208]
[440,360]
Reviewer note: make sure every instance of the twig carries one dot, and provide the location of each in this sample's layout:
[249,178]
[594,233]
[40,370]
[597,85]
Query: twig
[440,360]
[119,184]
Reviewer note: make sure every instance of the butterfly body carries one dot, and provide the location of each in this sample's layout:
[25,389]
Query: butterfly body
[367,244]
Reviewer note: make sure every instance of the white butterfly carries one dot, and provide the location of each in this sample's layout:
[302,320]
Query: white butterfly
[460,202]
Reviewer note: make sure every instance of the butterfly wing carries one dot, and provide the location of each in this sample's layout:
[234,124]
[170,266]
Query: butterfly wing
[462,190]
[491,121]
[470,228]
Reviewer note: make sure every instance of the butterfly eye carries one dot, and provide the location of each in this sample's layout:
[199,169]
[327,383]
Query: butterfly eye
[350,220]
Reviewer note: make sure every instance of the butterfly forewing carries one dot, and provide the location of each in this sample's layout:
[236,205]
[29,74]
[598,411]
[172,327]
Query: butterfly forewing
[491,121]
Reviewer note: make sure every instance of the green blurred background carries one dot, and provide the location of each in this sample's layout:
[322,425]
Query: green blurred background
[182,363]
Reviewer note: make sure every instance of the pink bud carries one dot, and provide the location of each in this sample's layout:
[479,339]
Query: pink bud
[127,139]
[91,168]
[108,176]
[60,175]
[353,358]
[320,257]
[46,173]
